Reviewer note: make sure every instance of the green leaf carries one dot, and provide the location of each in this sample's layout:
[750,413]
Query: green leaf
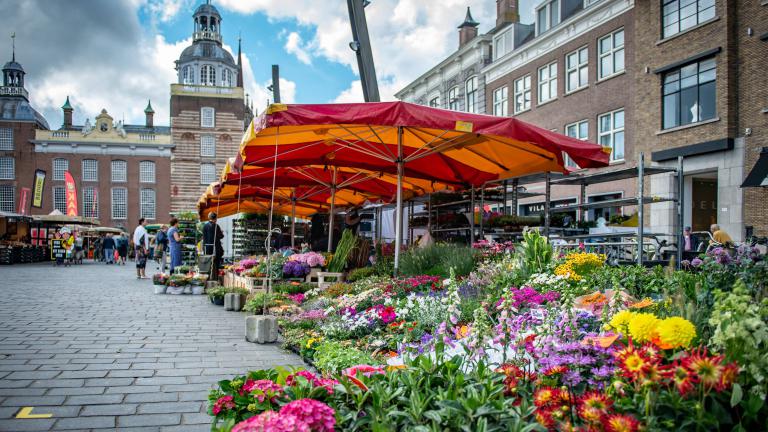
[433,415]
[736,395]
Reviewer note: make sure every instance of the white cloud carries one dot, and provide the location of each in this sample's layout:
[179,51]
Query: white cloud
[294,45]
[165,10]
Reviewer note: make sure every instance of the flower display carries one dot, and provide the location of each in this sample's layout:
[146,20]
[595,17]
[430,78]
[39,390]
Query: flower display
[222,404]
[270,421]
[675,332]
[261,389]
[642,326]
[317,415]
[296,269]
[312,259]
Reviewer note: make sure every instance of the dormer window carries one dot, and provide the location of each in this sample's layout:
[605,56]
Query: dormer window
[547,16]
[503,44]
[187,75]
[208,75]
[226,79]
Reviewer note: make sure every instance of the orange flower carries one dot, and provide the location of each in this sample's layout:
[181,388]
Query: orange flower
[544,418]
[594,298]
[708,369]
[545,396]
[621,423]
[556,370]
[728,376]
[642,304]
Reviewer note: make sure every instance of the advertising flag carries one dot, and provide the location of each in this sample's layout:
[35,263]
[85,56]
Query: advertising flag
[37,198]
[23,199]
[69,185]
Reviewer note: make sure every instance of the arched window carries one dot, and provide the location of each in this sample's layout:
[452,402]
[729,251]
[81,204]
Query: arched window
[453,99]
[226,79]
[187,75]
[208,75]
[471,95]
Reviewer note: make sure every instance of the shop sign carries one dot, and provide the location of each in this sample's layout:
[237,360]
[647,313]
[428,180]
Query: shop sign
[58,249]
[37,198]
[69,185]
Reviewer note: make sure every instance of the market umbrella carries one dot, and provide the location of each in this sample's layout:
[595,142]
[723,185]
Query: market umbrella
[407,140]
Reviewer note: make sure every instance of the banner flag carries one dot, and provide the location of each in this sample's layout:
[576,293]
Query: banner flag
[37,198]
[23,199]
[69,185]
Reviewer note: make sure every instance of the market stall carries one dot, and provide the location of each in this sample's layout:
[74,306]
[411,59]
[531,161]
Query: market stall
[16,244]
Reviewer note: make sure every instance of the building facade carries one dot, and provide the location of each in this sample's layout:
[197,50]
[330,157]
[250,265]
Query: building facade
[208,111]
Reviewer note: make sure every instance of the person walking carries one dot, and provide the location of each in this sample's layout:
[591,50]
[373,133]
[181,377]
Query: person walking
[141,246]
[720,236]
[212,237]
[97,252]
[690,244]
[122,249]
[174,244]
[109,249]
[161,247]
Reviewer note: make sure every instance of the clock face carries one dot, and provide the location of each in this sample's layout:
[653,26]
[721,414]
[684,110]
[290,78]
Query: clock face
[103,127]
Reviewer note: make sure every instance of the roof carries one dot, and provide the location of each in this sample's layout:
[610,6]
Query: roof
[469,21]
[13,65]
[207,9]
[164,130]
[149,109]
[67,105]
[18,109]
[206,50]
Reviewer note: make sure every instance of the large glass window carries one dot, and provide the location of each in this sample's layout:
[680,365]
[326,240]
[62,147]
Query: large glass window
[548,82]
[60,199]
[577,69]
[146,172]
[611,133]
[471,93]
[578,130]
[8,198]
[148,203]
[226,79]
[453,99]
[547,16]
[611,50]
[207,173]
[119,203]
[207,117]
[119,171]
[680,15]
[435,102]
[90,202]
[208,75]
[187,75]
[501,102]
[7,168]
[689,94]
[6,139]
[208,146]
[522,94]
[60,166]
[90,170]
[503,44]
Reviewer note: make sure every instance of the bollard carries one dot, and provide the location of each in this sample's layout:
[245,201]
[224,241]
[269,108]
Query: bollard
[261,329]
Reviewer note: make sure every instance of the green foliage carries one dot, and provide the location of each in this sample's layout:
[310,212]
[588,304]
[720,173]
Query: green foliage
[237,290]
[361,273]
[339,260]
[256,303]
[337,289]
[438,259]
[535,253]
[217,292]
[291,288]
[334,356]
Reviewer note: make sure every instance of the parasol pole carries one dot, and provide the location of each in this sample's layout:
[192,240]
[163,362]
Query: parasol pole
[333,209]
[399,208]
[293,218]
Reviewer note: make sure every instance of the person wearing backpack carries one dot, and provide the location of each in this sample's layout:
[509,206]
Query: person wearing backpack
[141,245]
[161,247]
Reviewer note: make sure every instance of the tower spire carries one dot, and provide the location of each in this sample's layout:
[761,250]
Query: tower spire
[239,62]
[13,43]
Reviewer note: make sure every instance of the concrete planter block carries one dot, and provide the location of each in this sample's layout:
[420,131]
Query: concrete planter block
[211,284]
[234,302]
[261,329]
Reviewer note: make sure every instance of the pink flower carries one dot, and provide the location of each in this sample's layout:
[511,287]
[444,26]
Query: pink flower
[224,403]
[366,370]
[319,416]
[314,380]
[270,421]
[387,314]
[262,388]
[297,298]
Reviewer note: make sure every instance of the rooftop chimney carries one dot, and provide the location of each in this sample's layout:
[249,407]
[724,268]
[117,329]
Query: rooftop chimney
[67,108]
[507,12]
[150,114]
[467,29]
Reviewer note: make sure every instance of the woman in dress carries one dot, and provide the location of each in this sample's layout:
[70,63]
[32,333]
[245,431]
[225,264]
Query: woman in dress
[174,245]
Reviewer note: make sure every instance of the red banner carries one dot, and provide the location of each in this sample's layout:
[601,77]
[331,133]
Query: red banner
[69,184]
[94,207]
[23,198]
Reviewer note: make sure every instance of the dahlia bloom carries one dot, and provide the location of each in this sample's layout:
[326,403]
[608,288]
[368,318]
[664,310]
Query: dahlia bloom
[642,326]
[675,332]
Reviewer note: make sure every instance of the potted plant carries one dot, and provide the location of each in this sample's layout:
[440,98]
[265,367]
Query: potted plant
[176,284]
[197,284]
[216,295]
[160,280]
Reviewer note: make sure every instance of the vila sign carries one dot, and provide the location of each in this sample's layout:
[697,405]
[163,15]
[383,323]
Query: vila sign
[69,185]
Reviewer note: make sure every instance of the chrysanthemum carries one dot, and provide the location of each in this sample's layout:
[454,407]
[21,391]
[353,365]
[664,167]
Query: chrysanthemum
[596,399]
[545,396]
[642,327]
[728,376]
[621,423]
[544,418]
[707,368]
[681,377]
[555,370]
[620,321]
[675,332]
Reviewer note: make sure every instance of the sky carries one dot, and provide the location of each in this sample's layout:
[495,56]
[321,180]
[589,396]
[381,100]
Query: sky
[118,54]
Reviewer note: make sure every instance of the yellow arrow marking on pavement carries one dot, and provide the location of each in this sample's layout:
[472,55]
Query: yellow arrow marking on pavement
[26,413]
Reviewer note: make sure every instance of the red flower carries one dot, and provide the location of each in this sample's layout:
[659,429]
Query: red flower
[728,376]
[593,406]
[223,403]
[366,370]
[708,369]
[387,314]
[544,418]
[545,396]
[682,377]
[621,423]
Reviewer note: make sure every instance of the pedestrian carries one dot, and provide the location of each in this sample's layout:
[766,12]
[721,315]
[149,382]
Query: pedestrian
[122,249]
[97,252]
[109,249]
[212,237]
[78,257]
[174,244]
[690,244]
[161,247]
[720,236]
[141,245]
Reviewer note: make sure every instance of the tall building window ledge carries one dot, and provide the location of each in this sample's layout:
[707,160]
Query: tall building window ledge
[611,76]
[688,126]
[548,101]
[574,91]
[686,31]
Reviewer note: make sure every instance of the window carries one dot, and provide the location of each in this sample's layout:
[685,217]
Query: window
[146,172]
[453,99]
[611,50]
[90,202]
[208,75]
[187,75]
[611,133]
[60,199]
[471,93]
[435,102]
[148,203]
[547,16]
[689,94]
[60,166]
[7,168]
[503,44]
[522,94]
[578,130]
[680,15]
[576,69]
[90,170]
[500,102]
[119,171]
[548,82]
[207,173]
[7,198]
[226,79]
[207,117]
[6,139]
[119,203]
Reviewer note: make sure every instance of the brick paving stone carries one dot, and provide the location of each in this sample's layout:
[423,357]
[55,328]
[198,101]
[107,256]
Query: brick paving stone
[109,410]
[195,418]
[33,400]
[101,399]
[152,397]
[149,420]
[76,391]
[169,407]
[132,373]
[23,425]
[53,383]
[81,423]
[186,428]
[134,389]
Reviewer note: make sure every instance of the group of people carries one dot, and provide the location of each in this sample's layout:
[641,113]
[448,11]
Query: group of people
[691,243]
[111,249]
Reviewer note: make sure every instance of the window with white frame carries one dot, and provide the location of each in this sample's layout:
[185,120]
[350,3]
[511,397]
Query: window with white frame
[502,44]
[119,203]
[187,75]
[547,16]
[208,75]
[611,54]
[522,94]
[226,79]
[119,171]
[435,102]
[146,172]
[60,199]
[6,139]
[207,117]
[680,15]
[60,166]
[90,202]
[611,133]
[7,198]
[690,94]
[207,173]
[453,99]
[547,82]
[207,146]
[501,101]
[577,69]
[578,130]
[90,170]
[7,168]
[471,95]
[148,203]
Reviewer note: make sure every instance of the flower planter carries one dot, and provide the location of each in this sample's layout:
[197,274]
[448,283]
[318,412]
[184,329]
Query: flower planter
[187,289]
[174,290]
[198,289]
[218,301]
[159,289]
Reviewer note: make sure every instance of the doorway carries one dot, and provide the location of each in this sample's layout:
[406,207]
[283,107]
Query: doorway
[703,203]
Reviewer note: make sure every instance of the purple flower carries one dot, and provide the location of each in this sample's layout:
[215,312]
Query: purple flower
[696,262]
[685,263]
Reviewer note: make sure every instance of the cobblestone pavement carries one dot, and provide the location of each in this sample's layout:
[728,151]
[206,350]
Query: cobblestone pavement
[94,346]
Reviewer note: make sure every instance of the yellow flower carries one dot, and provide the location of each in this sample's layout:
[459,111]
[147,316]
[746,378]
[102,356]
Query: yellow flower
[642,327]
[620,321]
[675,332]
